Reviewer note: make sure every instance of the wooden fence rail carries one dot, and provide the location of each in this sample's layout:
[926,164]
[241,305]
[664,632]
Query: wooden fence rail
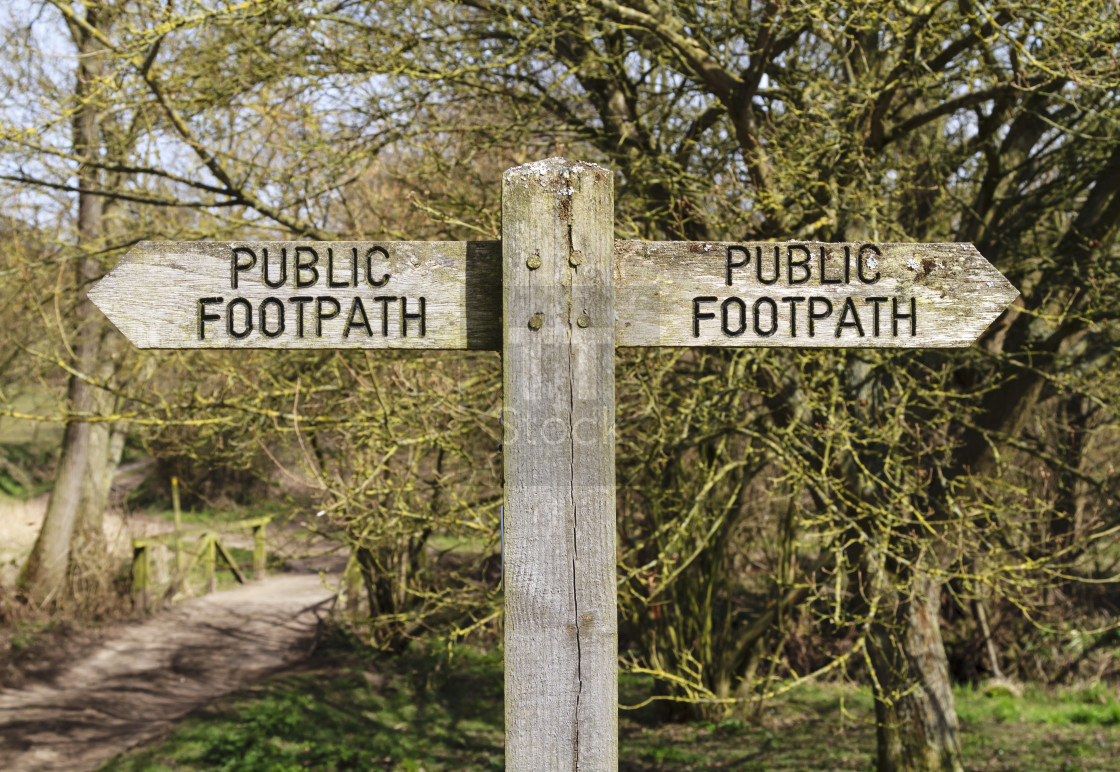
[208,548]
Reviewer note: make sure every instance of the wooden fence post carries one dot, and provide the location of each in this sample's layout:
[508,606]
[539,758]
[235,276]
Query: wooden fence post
[260,552]
[141,576]
[561,640]
[178,523]
[211,547]
[353,579]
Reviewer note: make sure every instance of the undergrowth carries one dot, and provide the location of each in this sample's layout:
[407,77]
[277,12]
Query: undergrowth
[437,712]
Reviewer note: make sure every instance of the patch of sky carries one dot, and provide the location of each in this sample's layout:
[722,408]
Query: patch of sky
[39,66]
[43,75]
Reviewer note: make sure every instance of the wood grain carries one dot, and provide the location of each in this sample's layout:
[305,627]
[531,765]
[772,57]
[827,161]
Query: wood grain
[153,295]
[561,640]
[955,294]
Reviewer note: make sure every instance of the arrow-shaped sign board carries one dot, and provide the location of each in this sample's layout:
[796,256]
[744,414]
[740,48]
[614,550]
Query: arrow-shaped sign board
[408,294]
[430,294]
[805,294]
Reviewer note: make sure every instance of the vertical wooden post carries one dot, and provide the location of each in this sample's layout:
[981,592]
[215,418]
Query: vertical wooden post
[353,577]
[178,523]
[141,576]
[260,552]
[561,638]
[211,547]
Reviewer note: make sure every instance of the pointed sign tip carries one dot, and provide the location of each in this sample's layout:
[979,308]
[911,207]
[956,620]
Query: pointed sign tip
[97,294]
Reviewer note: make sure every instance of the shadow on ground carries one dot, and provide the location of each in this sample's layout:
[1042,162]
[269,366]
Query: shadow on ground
[149,674]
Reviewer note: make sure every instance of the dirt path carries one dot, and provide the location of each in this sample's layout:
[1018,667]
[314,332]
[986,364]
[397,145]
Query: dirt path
[150,673]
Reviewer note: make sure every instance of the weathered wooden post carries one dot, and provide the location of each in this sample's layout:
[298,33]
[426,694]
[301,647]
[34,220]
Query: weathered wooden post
[352,578]
[210,562]
[561,646]
[141,575]
[175,508]
[260,551]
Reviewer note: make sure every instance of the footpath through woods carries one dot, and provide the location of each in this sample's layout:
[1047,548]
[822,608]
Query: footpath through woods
[152,672]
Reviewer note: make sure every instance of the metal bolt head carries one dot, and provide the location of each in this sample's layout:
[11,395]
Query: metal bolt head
[576,257]
[584,320]
[535,321]
[534,262]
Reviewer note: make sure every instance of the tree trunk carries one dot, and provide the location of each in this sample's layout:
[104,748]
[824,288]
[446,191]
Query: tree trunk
[46,570]
[107,439]
[90,574]
[106,446]
[915,716]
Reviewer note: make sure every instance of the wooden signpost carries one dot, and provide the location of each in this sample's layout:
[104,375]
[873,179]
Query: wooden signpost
[556,295]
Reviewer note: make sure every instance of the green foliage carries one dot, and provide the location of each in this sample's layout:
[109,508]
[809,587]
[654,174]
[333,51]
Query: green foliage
[24,634]
[1094,706]
[27,448]
[426,711]
[421,711]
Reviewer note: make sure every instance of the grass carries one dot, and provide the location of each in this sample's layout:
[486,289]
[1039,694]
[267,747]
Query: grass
[1094,706]
[27,447]
[424,711]
[419,712]
[23,635]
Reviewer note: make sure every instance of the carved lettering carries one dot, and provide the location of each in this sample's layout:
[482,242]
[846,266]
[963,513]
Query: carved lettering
[283,268]
[912,316]
[795,264]
[406,316]
[305,269]
[826,253]
[231,323]
[237,266]
[369,267]
[740,323]
[698,315]
[849,309]
[871,261]
[819,308]
[204,317]
[802,264]
[300,301]
[331,281]
[875,303]
[357,310]
[278,329]
[732,264]
[773,310]
[793,301]
[321,314]
[385,300]
[305,273]
[758,265]
[804,315]
[275,317]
